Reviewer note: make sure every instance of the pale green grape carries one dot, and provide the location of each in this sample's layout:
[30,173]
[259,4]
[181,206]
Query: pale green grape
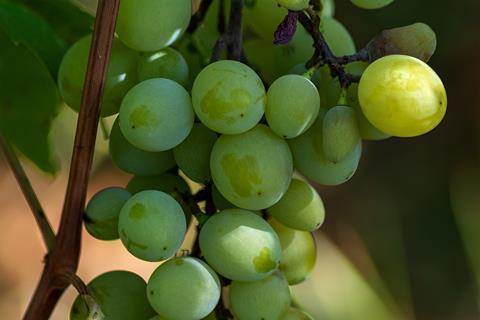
[263,17]
[295,314]
[340,133]
[167,182]
[298,252]
[219,201]
[328,8]
[135,161]
[167,63]
[122,295]
[152,225]
[146,25]
[293,104]
[156,115]
[183,288]
[101,214]
[371,4]
[228,97]
[295,5]
[402,96]
[300,208]
[193,154]
[252,170]
[267,299]
[310,160]
[240,245]
[121,75]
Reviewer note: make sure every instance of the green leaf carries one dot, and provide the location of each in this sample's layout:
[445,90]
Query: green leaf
[29,102]
[26,27]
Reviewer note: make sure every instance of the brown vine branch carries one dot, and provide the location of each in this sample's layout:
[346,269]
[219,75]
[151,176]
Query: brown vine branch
[199,16]
[232,38]
[44,225]
[64,257]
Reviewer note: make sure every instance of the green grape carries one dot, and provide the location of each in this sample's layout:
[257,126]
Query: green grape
[340,133]
[219,201]
[191,54]
[167,63]
[167,182]
[371,4]
[135,161]
[228,97]
[295,314]
[328,8]
[295,5]
[121,295]
[402,96]
[152,225]
[260,53]
[293,104]
[146,25]
[298,252]
[310,160]
[263,17]
[101,214]
[240,245]
[337,36]
[300,208]
[184,288]
[193,154]
[252,170]
[121,75]
[156,115]
[267,299]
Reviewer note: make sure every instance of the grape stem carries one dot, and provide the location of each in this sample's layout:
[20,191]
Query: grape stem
[232,38]
[199,16]
[64,257]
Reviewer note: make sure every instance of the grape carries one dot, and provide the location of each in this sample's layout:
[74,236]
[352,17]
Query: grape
[184,288]
[156,115]
[310,160]
[193,154]
[293,104]
[295,5]
[298,252]
[121,75]
[167,63]
[240,245]
[266,299]
[167,182]
[260,53]
[133,160]
[340,133]
[101,214]
[263,17]
[146,25]
[121,296]
[295,314]
[300,208]
[252,170]
[328,8]
[219,201]
[371,4]
[301,70]
[402,96]
[152,225]
[228,97]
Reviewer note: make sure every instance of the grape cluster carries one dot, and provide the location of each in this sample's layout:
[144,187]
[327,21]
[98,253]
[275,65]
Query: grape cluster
[241,135]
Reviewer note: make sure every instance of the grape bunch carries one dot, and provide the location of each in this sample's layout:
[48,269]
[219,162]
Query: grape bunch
[249,137]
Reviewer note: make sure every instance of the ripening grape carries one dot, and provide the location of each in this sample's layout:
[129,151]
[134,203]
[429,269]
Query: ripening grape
[340,133]
[252,170]
[146,25]
[156,115]
[121,75]
[295,5]
[102,211]
[310,160]
[152,225]
[298,252]
[300,208]
[240,245]
[228,97]
[402,96]
[121,295]
[193,154]
[371,4]
[267,299]
[167,63]
[167,182]
[183,288]
[295,314]
[135,161]
[293,104]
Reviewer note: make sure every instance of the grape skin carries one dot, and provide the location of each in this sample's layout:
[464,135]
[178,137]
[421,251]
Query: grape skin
[295,314]
[167,182]
[294,5]
[240,245]
[167,63]
[371,4]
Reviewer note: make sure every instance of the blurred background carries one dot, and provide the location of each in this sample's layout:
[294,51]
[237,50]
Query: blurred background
[401,239]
